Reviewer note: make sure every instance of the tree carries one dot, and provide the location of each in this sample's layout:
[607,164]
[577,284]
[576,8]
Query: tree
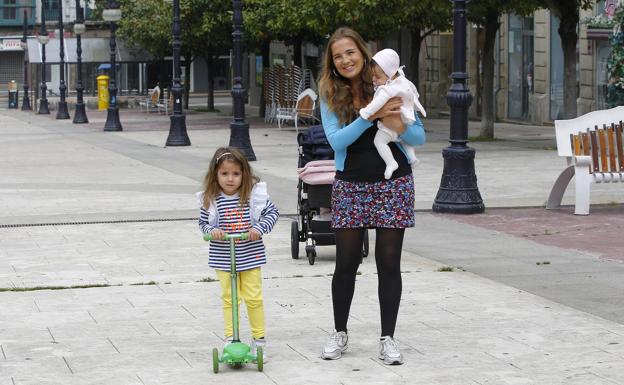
[487,13]
[422,18]
[207,34]
[567,11]
[615,88]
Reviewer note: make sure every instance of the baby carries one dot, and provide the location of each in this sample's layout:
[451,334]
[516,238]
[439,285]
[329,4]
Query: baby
[390,81]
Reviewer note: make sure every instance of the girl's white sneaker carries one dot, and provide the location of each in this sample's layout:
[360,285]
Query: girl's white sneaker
[389,351]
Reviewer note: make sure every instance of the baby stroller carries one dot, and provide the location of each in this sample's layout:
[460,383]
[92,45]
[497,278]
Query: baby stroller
[316,171]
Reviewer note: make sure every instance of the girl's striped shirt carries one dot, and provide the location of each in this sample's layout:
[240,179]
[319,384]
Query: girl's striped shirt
[234,219]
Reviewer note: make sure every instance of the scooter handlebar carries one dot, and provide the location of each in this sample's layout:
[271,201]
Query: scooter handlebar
[241,236]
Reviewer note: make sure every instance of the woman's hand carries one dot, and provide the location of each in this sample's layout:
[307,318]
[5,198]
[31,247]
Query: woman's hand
[390,115]
[391,108]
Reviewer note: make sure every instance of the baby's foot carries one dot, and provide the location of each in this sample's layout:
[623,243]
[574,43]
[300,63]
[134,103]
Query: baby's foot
[414,162]
[390,169]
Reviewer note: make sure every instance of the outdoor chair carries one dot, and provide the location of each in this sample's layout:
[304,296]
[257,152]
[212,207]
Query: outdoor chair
[303,110]
[151,101]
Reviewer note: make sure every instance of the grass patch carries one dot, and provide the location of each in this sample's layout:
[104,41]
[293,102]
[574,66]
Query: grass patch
[144,283]
[36,288]
[207,279]
[480,138]
[543,263]
[446,269]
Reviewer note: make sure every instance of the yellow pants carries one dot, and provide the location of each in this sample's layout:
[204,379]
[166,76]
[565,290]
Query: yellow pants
[250,289]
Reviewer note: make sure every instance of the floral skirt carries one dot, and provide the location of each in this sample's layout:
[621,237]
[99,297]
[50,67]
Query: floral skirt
[385,204]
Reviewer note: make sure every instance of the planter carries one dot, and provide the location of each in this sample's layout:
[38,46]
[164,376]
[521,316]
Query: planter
[599,33]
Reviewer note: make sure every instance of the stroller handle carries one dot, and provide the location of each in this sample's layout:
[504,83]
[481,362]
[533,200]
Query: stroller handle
[241,236]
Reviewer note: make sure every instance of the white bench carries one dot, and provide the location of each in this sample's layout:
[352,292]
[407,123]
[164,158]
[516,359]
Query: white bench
[592,146]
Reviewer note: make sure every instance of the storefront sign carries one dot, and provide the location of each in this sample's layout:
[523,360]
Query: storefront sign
[10,45]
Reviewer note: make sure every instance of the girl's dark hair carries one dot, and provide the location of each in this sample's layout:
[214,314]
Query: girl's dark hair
[335,89]
[211,182]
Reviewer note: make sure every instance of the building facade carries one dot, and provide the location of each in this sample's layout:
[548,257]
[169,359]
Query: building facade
[528,83]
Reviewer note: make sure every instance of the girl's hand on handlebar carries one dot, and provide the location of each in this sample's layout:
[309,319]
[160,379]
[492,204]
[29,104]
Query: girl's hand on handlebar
[217,235]
[254,235]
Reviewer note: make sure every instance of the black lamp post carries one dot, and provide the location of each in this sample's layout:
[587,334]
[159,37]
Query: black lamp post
[239,129]
[79,28]
[43,39]
[177,129]
[26,98]
[61,112]
[458,191]
[112,14]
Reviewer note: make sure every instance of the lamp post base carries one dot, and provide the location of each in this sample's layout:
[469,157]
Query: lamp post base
[62,112]
[177,132]
[26,104]
[80,116]
[112,120]
[239,139]
[458,191]
[43,108]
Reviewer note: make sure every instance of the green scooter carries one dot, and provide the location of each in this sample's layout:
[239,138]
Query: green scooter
[237,353]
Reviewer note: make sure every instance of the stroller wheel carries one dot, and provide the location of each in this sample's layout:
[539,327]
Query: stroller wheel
[294,239]
[311,254]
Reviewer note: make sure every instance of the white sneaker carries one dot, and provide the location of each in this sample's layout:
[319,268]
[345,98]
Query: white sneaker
[389,351]
[336,344]
[255,344]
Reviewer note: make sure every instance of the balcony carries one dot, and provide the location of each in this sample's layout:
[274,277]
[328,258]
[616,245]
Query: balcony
[12,12]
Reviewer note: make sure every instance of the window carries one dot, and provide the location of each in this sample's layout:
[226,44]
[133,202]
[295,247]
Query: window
[9,10]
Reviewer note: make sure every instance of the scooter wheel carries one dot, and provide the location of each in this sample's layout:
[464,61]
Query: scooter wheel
[215,360]
[259,358]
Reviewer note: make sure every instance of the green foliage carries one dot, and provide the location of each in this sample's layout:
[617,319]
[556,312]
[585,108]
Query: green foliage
[615,65]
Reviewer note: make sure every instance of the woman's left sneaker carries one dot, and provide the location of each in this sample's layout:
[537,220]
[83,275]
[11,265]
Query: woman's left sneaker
[389,351]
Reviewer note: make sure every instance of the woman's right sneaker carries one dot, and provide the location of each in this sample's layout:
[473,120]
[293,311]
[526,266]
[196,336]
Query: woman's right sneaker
[389,351]
[336,344]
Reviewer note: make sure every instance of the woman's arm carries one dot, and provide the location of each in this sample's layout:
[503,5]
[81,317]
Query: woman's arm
[340,138]
[414,133]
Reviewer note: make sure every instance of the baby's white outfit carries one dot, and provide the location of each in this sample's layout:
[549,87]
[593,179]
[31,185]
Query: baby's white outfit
[401,87]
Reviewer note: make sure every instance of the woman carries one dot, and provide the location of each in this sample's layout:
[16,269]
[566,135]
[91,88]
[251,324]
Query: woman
[361,197]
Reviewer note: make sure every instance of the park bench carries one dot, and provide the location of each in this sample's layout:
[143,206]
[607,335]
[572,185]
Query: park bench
[593,147]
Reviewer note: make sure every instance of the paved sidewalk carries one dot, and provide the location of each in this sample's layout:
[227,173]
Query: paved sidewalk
[113,214]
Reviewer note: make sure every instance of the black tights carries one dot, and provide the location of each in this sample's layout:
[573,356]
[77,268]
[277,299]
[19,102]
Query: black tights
[349,243]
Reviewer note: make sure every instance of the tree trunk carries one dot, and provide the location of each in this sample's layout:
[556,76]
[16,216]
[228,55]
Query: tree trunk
[414,62]
[297,42]
[210,106]
[264,51]
[487,116]
[188,59]
[569,37]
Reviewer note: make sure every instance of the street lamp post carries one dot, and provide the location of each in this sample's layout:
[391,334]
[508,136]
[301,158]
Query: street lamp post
[112,14]
[43,40]
[62,112]
[458,191]
[26,99]
[79,28]
[239,128]
[177,129]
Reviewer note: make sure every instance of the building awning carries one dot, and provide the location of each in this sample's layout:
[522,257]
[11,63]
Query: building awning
[94,50]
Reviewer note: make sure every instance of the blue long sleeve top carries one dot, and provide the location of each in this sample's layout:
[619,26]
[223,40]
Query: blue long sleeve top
[342,136]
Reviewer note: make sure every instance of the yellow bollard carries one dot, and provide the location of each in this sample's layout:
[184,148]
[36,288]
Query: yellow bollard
[102,82]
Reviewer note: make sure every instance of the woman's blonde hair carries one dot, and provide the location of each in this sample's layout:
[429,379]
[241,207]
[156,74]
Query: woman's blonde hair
[211,182]
[335,89]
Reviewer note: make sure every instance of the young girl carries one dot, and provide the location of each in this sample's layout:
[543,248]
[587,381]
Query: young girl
[234,201]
